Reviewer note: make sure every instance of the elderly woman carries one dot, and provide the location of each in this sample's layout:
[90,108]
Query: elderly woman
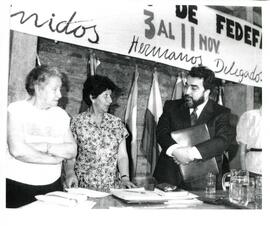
[39,139]
[102,161]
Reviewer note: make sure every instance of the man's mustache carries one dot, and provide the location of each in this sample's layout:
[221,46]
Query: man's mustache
[187,97]
[187,100]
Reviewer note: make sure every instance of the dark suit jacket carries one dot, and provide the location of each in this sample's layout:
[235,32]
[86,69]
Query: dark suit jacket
[177,116]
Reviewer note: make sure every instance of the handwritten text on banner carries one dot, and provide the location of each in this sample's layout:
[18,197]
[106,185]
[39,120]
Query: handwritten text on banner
[177,35]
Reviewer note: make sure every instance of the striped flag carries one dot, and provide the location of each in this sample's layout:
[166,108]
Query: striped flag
[131,120]
[178,88]
[152,114]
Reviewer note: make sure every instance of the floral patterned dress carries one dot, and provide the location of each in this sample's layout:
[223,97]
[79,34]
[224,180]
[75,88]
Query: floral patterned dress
[96,162]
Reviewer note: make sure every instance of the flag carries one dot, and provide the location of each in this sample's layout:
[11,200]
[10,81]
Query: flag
[178,88]
[131,121]
[38,60]
[152,114]
[220,95]
[92,64]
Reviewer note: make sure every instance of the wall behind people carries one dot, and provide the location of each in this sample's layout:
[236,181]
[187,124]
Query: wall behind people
[21,45]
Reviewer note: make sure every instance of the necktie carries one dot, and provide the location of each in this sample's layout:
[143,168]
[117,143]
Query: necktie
[193,117]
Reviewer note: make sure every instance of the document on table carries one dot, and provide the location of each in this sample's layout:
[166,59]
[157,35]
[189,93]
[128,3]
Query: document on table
[171,195]
[62,199]
[140,195]
[88,192]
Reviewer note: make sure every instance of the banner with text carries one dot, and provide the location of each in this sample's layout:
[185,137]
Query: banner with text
[178,35]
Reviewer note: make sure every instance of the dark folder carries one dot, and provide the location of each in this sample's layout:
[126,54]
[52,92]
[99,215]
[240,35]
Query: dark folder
[189,137]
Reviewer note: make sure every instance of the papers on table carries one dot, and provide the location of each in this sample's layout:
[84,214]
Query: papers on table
[88,192]
[140,195]
[74,197]
[65,199]
[171,195]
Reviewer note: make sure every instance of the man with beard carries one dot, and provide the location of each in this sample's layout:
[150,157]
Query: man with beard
[180,114]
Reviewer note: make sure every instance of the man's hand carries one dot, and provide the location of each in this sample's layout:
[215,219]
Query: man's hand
[182,155]
[126,183]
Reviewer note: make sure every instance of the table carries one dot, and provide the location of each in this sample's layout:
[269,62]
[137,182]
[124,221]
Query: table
[221,197]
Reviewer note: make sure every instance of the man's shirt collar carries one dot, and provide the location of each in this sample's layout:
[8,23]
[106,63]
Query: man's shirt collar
[199,108]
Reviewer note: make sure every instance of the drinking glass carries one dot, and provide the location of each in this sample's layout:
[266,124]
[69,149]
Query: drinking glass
[238,186]
[258,192]
[251,190]
[210,188]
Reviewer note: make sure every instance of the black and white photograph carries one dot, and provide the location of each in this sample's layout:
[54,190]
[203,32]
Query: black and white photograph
[126,107]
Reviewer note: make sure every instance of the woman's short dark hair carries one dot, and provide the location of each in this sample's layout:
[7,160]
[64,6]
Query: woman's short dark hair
[39,75]
[95,85]
[205,73]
